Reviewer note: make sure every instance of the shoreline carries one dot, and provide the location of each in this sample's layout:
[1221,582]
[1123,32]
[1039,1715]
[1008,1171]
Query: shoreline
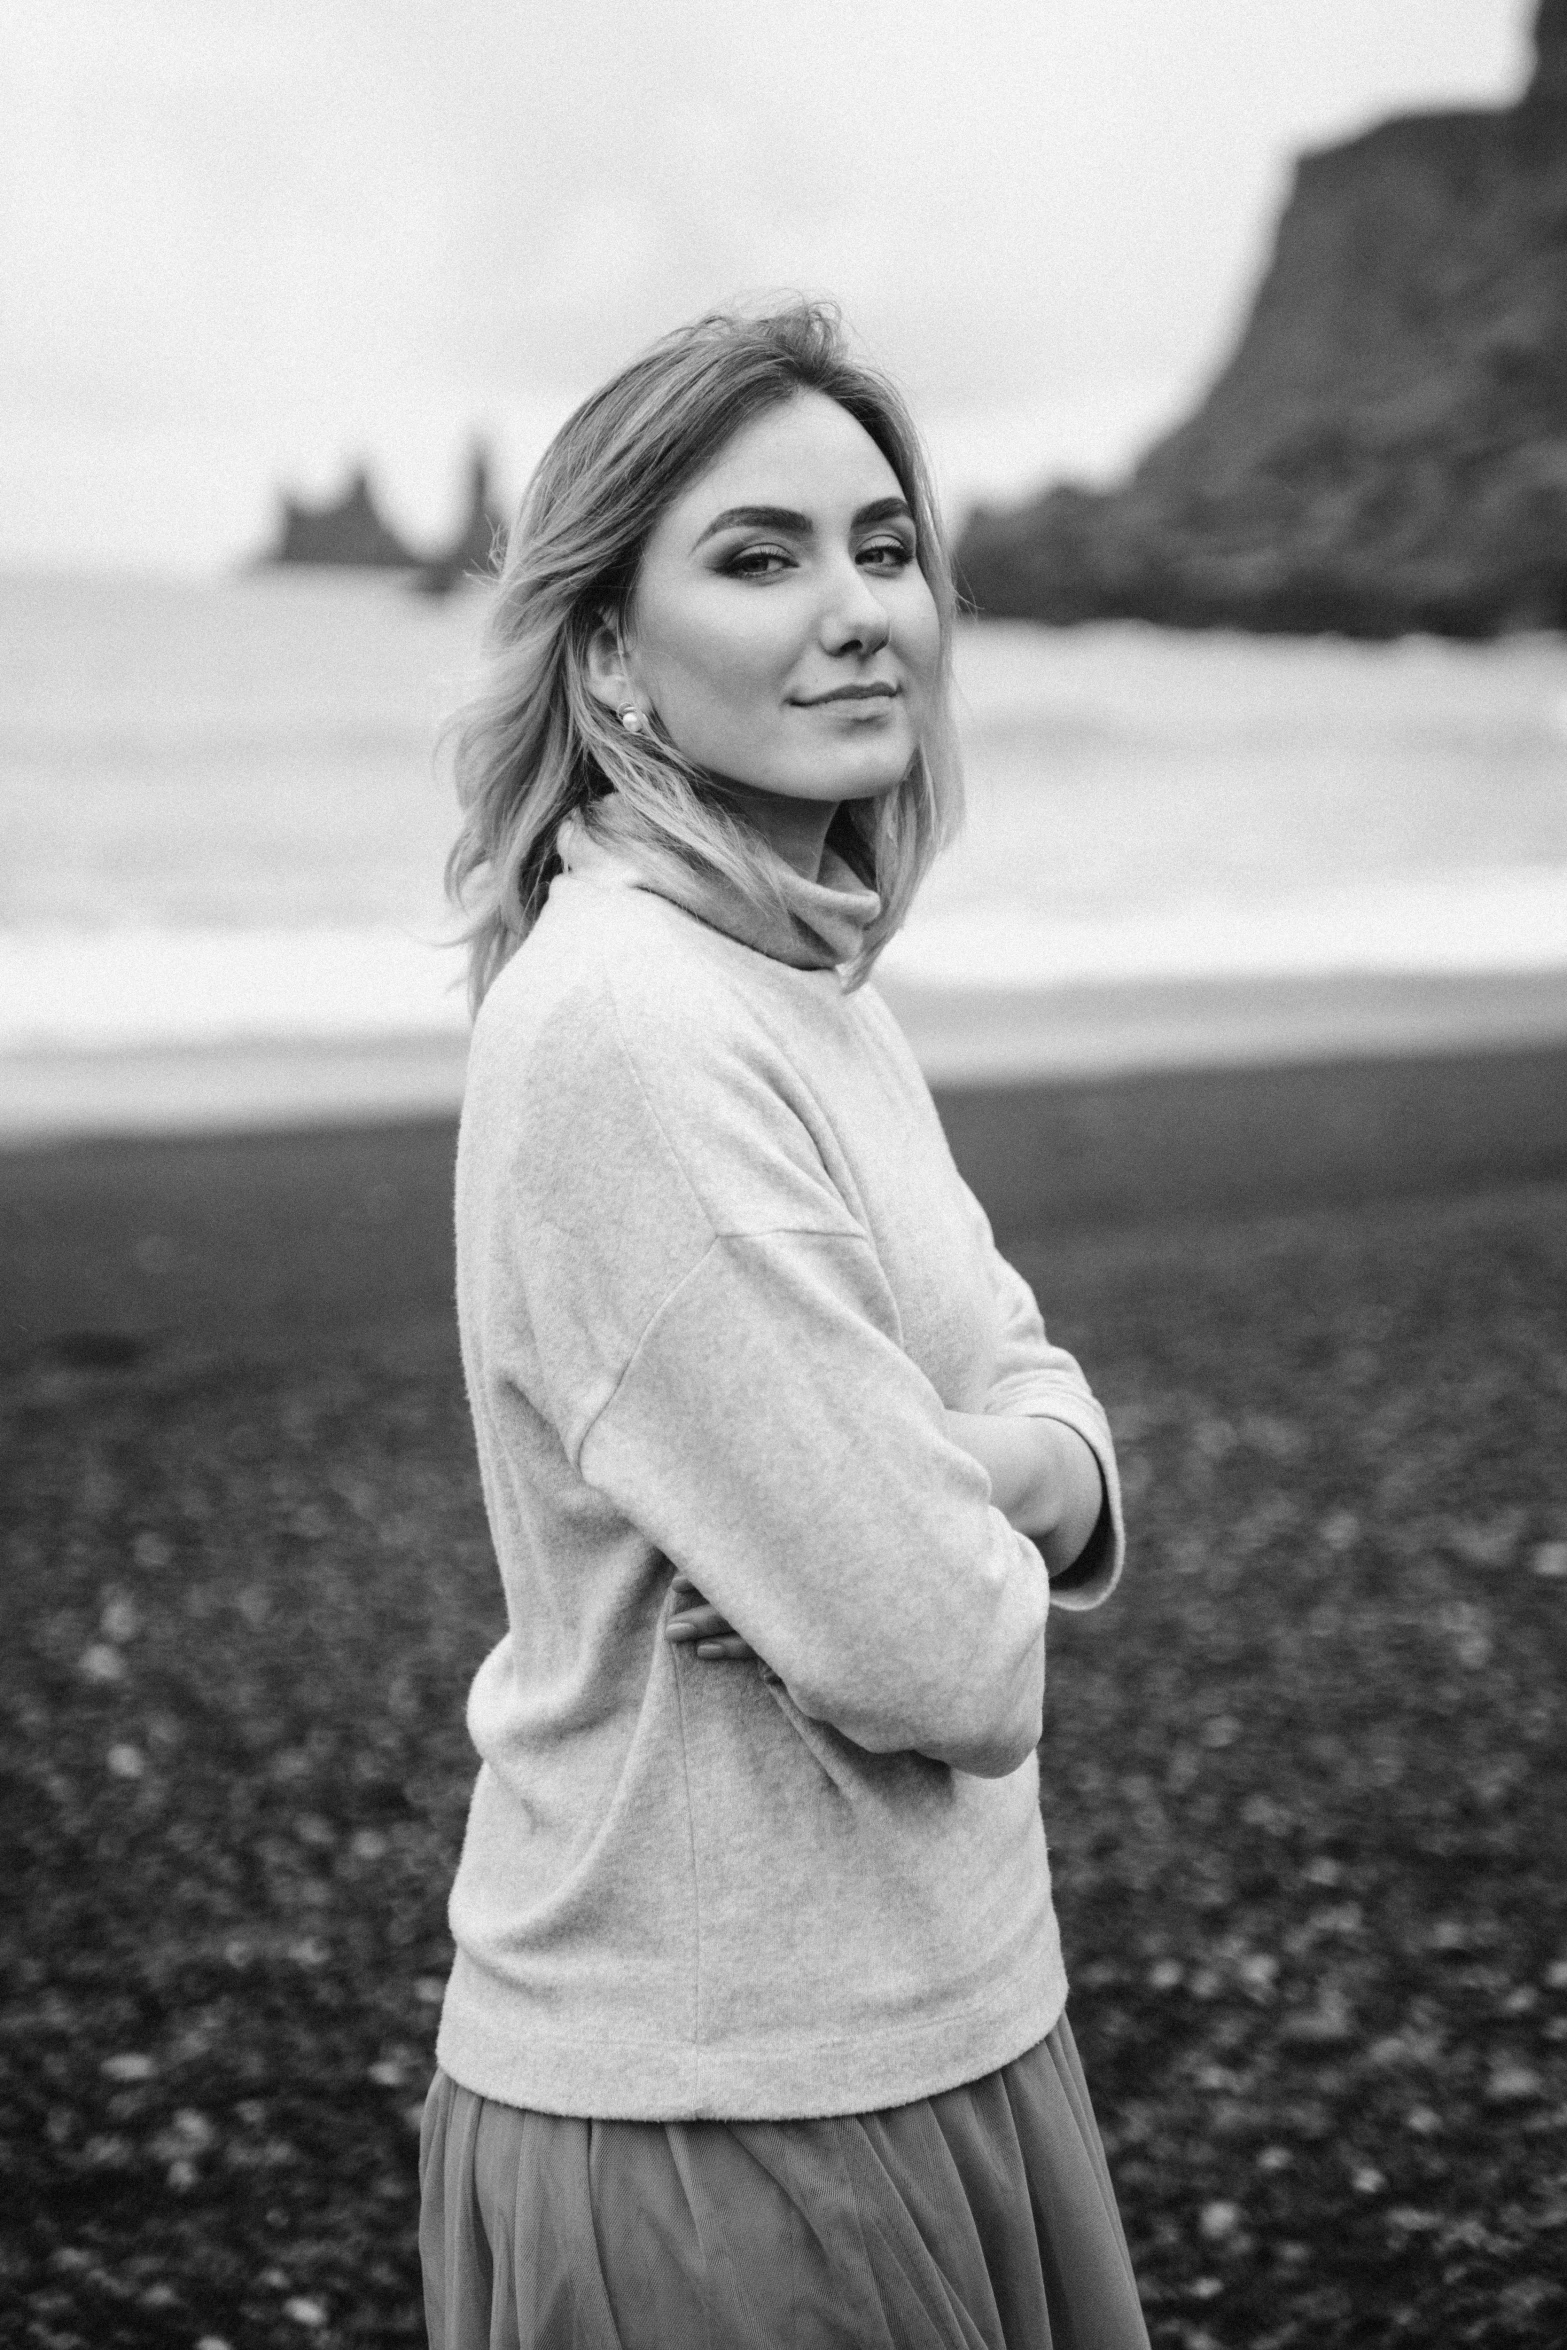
[227,1242]
[967,1039]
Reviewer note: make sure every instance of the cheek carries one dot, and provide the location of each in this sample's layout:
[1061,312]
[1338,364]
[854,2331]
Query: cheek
[725,657]
[917,631]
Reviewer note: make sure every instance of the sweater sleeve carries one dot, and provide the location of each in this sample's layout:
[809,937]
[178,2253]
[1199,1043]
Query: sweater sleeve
[775,1441]
[1042,1381]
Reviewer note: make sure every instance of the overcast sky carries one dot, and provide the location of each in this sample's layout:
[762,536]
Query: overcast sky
[244,241]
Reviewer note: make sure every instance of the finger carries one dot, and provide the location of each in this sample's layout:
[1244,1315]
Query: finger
[683,1588]
[703,1623]
[730,1651]
[699,1623]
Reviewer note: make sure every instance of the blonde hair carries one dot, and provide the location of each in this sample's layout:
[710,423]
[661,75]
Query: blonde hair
[532,742]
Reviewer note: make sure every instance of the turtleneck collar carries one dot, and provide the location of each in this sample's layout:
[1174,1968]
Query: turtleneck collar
[813,925]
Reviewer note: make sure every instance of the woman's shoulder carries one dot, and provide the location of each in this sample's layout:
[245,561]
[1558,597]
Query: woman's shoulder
[619,1038]
[613,976]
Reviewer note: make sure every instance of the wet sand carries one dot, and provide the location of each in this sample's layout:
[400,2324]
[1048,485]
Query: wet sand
[270,1237]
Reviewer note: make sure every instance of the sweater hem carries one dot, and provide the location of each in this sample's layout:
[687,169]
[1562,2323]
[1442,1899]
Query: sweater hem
[599,2078]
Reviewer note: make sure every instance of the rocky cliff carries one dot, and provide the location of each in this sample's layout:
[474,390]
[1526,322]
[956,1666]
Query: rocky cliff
[480,541]
[347,531]
[1387,448]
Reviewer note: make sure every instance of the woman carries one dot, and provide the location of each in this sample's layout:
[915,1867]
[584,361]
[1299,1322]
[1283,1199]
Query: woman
[755,2033]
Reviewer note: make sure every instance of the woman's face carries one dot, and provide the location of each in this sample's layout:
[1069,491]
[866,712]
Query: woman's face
[780,628]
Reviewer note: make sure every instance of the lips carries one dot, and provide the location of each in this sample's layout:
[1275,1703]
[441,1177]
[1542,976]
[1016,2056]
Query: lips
[854,693]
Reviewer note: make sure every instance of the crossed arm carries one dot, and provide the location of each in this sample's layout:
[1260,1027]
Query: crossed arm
[1044,1479]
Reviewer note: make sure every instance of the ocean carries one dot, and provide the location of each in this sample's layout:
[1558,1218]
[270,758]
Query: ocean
[224,832]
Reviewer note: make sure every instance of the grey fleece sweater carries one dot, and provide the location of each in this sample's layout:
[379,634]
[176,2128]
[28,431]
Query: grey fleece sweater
[717,1278]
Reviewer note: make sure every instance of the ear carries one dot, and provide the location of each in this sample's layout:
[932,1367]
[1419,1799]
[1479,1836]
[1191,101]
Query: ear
[606,666]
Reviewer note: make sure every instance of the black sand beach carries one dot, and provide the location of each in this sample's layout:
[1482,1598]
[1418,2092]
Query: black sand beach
[240,1241]
[1304,1777]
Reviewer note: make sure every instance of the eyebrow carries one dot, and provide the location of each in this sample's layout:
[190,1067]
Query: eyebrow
[801,526]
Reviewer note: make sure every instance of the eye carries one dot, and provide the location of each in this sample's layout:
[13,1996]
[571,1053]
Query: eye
[758,563]
[892,554]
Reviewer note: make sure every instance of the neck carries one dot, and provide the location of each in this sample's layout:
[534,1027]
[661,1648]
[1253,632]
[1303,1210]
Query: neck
[796,829]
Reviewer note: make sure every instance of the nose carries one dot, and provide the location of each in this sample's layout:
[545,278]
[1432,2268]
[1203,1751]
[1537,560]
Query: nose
[854,618]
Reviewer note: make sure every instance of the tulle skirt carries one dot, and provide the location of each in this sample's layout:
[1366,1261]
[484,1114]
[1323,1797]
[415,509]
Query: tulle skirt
[981,2219]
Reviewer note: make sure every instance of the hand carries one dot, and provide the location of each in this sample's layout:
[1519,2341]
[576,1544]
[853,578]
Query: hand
[1044,1479]
[693,1621]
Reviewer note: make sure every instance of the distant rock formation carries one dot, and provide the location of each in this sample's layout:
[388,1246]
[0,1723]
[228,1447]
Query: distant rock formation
[349,532]
[1387,448]
[479,543]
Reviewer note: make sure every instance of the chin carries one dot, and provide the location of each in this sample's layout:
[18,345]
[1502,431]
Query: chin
[821,780]
[876,784]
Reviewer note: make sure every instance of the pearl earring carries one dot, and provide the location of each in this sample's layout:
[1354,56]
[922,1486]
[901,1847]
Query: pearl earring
[631,719]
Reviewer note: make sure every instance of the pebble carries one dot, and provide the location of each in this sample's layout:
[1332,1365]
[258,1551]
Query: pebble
[1511,2083]
[120,1621]
[1322,2025]
[129,2066]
